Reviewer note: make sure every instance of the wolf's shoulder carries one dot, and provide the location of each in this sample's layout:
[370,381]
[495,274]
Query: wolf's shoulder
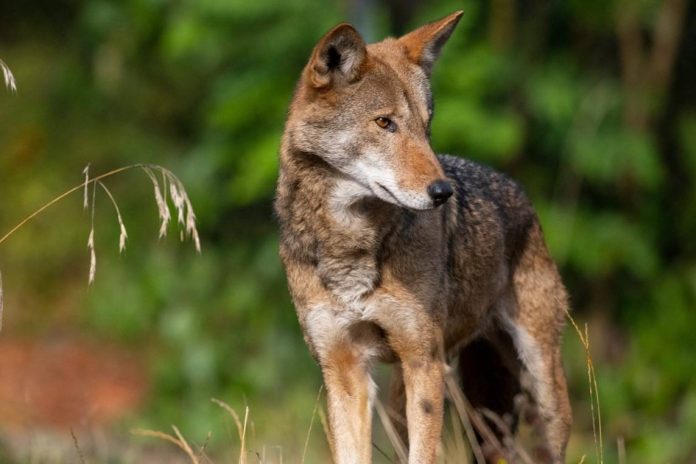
[475,179]
[486,196]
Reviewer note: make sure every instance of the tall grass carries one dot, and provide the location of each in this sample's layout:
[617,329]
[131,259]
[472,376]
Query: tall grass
[459,444]
[595,409]
[177,439]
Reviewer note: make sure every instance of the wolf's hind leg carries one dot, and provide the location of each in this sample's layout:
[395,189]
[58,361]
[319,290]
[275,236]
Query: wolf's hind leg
[490,379]
[535,319]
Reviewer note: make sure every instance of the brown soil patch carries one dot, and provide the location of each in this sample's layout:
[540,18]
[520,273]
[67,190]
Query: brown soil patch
[67,383]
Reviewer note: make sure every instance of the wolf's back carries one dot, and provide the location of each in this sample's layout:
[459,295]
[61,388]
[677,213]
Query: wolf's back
[489,202]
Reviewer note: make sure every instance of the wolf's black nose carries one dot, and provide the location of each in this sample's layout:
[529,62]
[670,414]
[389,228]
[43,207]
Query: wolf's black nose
[440,191]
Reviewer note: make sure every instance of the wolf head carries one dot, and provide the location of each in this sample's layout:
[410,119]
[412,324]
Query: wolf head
[366,110]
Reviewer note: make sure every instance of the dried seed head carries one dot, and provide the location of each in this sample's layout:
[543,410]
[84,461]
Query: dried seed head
[182,204]
[191,228]
[92,257]
[164,213]
[10,82]
[178,200]
[86,195]
[123,235]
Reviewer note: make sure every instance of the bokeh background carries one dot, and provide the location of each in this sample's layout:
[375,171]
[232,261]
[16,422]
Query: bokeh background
[590,104]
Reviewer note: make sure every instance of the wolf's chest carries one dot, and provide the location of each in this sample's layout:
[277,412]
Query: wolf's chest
[349,277]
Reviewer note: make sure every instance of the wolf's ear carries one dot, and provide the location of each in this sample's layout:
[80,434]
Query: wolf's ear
[338,57]
[423,45]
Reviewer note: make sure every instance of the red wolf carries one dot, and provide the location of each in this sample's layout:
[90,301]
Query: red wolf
[395,254]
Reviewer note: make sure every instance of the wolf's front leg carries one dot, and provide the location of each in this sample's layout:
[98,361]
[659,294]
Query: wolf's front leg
[348,387]
[345,368]
[423,376]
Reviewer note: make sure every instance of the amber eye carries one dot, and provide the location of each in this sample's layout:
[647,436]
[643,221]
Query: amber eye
[386,124]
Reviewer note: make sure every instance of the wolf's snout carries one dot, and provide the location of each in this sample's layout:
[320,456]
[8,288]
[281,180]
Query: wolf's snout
[440,191]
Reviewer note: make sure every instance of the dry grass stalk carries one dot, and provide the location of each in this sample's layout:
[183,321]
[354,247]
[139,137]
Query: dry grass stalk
[241,427]
[90,242]
[460,405]
[242,452]
[177,194]
[202,449]
[10,82]
[123,235]
[459,450]
[471,421]
[85,202]
[178,440]
[185,446]
[311,423]
[594,392]
[76,444]
[233,414]
[509,442]
[394,438]
[325,426]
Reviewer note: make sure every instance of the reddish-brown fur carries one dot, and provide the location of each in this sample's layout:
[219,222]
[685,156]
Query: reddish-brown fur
[378,272]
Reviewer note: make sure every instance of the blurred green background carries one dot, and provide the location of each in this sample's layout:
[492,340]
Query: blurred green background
[590,104]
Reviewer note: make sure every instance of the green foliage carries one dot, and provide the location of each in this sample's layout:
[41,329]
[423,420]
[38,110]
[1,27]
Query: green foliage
[202,87]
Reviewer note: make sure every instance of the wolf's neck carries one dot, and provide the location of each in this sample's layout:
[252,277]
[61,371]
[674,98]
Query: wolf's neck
[324,213]
[329,222]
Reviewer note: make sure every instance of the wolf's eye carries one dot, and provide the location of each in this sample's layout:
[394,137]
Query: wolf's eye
[386,124]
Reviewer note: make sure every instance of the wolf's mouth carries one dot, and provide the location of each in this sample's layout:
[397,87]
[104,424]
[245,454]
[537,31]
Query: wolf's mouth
[385,194]
[388,192]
